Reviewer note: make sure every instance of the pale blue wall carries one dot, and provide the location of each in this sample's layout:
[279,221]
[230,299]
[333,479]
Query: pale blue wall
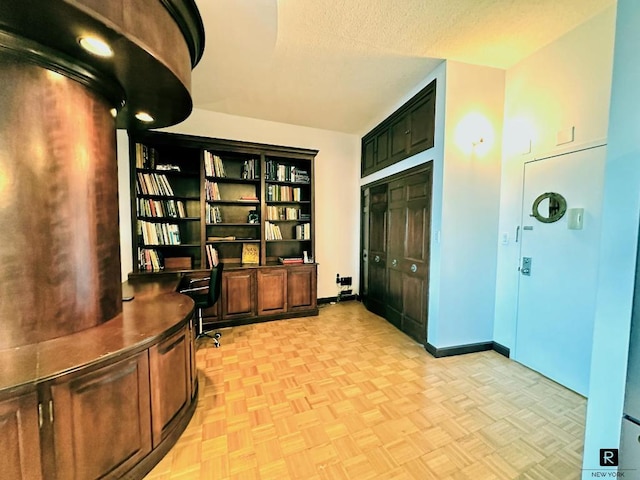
[567,83]
[618,243]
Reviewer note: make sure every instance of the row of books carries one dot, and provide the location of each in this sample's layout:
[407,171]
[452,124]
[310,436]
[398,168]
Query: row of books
[212,192]
[283,193]
[146,157]
[159,233]
[153,184]
[279,172]
[303,231]
[147,207]
[250,169]
[272,232]
[212,256]
[149,260]
[213,166]
[283,213]
[213,214]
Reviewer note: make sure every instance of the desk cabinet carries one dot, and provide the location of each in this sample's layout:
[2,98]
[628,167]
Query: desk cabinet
[101,420]
[20,437]
[252,294]
[301,289]
[238,294]
[170,373]
[272,291]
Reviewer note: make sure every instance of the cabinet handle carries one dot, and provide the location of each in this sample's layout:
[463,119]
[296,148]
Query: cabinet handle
[414,268]
[407,132]
[50,411]
[40,415]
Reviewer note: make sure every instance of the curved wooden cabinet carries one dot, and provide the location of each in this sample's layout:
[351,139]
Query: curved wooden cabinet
[107,402]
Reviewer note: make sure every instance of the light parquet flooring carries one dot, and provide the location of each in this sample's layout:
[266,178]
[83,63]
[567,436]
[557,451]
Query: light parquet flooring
[345,395]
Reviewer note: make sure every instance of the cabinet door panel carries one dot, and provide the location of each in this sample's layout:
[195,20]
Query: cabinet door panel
[368,155]
[102,420]
[272,291]
[301,288]
[422,125]
[19,438]
[398,139]
[238,294]
[170,367]
[382,149]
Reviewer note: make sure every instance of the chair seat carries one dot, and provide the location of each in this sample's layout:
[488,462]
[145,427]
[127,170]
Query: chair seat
[201,301]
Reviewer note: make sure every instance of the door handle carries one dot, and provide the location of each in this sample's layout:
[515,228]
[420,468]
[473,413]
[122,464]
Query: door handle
[414,268]
[376,258]
[394,262]
[526,266]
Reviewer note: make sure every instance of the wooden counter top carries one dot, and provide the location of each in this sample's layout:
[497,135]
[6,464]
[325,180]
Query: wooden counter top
[156,311]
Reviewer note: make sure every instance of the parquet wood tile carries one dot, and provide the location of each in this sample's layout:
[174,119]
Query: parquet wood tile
[346,396]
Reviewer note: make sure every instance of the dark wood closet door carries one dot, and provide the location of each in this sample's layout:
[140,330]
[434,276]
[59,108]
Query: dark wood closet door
[415,263]
[408,253]
[377,254]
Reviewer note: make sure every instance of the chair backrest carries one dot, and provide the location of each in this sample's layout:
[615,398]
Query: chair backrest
[215,284]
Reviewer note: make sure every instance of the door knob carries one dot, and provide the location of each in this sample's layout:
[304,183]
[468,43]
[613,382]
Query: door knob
[414,268]
[394,262]
[376,258]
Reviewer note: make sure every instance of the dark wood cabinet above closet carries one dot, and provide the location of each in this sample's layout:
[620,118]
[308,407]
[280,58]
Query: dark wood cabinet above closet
[406,132]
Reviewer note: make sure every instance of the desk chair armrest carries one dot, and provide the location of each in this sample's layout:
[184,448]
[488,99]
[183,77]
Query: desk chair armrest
[196,280]
[196,289]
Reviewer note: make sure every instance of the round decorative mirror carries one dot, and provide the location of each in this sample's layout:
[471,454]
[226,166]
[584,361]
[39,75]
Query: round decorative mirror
[549,207]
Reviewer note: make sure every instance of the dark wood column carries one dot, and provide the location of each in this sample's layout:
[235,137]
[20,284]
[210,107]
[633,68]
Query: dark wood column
[58,206]
[59,249]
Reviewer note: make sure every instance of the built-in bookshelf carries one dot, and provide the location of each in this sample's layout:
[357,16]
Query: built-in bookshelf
[195,199]
[166,209]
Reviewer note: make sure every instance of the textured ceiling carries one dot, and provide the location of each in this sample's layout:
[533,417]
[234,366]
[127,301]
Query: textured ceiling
[341,64]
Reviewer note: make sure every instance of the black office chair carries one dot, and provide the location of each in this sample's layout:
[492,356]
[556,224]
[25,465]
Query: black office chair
[206,296]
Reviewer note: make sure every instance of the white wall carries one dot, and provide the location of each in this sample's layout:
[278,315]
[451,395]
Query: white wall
[618,244]
[470,205]
[566,84]
[337,169]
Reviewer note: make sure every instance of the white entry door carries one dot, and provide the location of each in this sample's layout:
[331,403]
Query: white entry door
[556,303]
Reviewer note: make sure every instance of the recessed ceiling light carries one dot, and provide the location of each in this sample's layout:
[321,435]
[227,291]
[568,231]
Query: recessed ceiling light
[96,46]
[144,117]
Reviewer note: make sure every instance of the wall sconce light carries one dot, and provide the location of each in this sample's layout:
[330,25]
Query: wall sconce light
[474,134]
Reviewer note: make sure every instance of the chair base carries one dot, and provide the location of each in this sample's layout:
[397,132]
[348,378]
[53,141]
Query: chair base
[201,333]
[215,337]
